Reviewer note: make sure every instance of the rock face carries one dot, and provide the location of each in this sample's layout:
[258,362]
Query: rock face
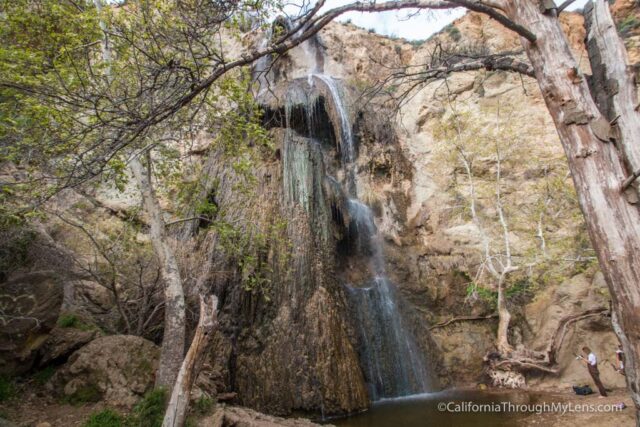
[29,307]
[118,369]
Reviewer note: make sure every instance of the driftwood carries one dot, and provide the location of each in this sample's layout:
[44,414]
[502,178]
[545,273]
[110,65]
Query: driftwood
[176,412]
[522,360]
[565,322]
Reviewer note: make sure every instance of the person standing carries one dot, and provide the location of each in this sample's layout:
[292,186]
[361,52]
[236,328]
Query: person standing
[620,359]
[592,366]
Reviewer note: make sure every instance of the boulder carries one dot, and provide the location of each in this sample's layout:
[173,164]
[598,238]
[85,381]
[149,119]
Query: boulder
[117,369]
[94,297]
[62,342]
[29,306]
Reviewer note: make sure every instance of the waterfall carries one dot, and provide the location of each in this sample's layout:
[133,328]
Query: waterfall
[392,363]
[346,142]
[391,360]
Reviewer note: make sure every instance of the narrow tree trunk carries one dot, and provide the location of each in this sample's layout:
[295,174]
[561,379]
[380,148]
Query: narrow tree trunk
[597,171]
[172,351]
[176,413]
[504,319]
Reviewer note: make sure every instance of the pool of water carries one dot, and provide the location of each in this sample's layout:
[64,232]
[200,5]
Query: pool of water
[423,410]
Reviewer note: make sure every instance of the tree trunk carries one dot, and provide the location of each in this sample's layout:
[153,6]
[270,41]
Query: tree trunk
[504,319]
[612,82]
[597,171]
[176,413]
[172,351]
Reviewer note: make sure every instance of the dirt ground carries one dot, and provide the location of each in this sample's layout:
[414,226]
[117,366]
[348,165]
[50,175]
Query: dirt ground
[582,416]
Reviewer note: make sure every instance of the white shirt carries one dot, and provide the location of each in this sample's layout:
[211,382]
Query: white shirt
[620,353]
[591,358]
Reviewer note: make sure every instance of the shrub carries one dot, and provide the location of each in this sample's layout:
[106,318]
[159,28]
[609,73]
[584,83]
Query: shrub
[70,320]
[149,412]
[7,391]
[44,375]
[453,32]
[628,24]
[86,394]
[203,405]
[106,418]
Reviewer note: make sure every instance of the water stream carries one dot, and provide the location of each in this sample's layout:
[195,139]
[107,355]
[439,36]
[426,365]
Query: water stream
[392,363]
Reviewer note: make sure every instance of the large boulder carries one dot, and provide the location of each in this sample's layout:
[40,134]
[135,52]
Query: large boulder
[117,369]
[29,307]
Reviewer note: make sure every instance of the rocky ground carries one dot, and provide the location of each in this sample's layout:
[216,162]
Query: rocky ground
[623,418]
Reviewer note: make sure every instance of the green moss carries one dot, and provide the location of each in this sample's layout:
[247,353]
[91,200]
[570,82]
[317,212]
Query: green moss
[149,412]
[7,390]
[44,375]
[203,405]
[106,418]
[70,320]
[453,32]
[86,394]
[628,24]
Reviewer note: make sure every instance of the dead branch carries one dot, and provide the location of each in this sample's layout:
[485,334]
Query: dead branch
[563,326]
[463,319]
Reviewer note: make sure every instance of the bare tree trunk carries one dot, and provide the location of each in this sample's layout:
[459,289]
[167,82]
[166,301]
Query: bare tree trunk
[612,82]
[597,170]
[176,413]
[173,342]
[504,319]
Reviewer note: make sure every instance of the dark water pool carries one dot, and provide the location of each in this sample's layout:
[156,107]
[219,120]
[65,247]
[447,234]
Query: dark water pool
[423,410]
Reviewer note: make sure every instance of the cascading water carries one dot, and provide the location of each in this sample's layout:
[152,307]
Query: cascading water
[392,364]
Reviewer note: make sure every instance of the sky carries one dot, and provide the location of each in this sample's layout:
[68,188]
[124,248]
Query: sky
[396,23]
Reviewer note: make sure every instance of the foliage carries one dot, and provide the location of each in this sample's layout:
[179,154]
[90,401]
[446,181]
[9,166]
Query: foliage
[628,24]
[75,105]
[204,405]
[70,320]
[453,32]
[149,412]
[478,292]
[7,389]
[105,418]
[44,375]
[84,394]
